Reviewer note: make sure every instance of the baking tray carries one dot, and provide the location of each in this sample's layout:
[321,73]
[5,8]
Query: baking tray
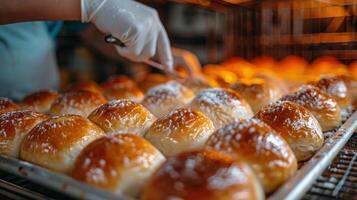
[294,188]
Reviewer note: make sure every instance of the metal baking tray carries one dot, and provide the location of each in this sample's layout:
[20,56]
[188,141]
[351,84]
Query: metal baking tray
[294,188]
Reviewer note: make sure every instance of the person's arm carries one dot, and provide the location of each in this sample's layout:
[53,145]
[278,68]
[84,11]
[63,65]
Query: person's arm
[31,10]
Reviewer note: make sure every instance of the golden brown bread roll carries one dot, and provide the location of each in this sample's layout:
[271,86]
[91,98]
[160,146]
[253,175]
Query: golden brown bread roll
[296,125]
[327,65]
[14,126]
[162,99]
[203,174]
[7,105]
[122,87]
[122,116]
[260,146]
[336,88]
[89,86]
[257,92]
[196,84]
[319,103]
[152,80]
[77,102]
[120,164]
[40,101]
[56,142]
[181,130]
[222,106]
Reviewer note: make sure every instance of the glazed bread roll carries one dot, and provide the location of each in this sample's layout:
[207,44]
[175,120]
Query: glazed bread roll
[257,92]
[120,164]
[56,142]
[336,88]
[325,109]
[296,125]
[222,106]
[122,87]
[203,174]
[7,105]
[89,86]
[77,103]
[152,80]
[196,84]
[122,116]
[14,126]
[181,130]
[260,146]
[40,101]
[162,99]
[351,84]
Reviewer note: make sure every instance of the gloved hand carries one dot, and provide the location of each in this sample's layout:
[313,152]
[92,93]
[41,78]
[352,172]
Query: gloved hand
[136,25]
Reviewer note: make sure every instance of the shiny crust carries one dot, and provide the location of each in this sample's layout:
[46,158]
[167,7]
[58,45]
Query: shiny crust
[222,106]
[77,102]
[203,174]
[257,92]
[319,103]
[181,130]
[162,99]
[56,142]
[89,86]
[122,116]
[122,87]
[40,101]
[296,125]
[7,105]
[336,88]
[120,164]
[260,146]
[14,126]
[351,84]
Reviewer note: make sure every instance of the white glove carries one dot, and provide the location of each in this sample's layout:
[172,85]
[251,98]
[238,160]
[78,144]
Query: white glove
[136,25]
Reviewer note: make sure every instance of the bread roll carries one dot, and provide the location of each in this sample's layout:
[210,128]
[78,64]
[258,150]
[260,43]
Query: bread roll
[89,86]
[122,116]
[120,164]
[296,125]
[14,126]
[336,88]
[203,175]
[7,105]
[162,99]
[260,146]
[40,101]
[181,130]
[77,102]
[222,106]
[257,92]
[351,84]
[196,84]
[122,87]
[56,142]
[152,80]
[325,109]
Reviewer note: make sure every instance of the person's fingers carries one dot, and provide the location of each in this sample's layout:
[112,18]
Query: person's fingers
[150,48]
[164,49]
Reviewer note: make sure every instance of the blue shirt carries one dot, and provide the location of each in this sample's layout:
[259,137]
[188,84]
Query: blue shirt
[27,58]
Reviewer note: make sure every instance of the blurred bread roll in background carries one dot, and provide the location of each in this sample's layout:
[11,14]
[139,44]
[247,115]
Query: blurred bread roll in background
[327,65]
[336,88]
[122,116]
[325,108]
[181,130]
[40,101]
[151,80]
[122,87]
[14,126]
[120,164]
[203,175]
[258,145]
[89,86]
[56,142]
[257,92]
[77,102]
[296,125]
[222,106]
[7,105]
[163,98]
